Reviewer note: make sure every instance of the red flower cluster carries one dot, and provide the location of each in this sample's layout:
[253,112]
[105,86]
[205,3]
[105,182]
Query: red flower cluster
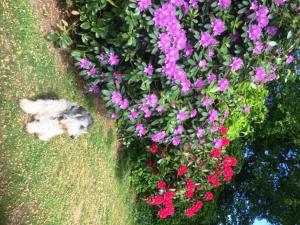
[213,180]
[161,185]
[154,148]
[208,196]
[228,163]
[215,153]
[182,170]
[223,131]
[225,142]
[166,200]
[190,212]
[190,188]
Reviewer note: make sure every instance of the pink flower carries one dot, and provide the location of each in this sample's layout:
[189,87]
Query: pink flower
[140,129]
[213,115]
[258,48]
[289,59]
[246,109]
[260,74]
[148,70]
[115,116]
[223,84]
[218,27]
[179,130]
[181,115]
[116,97]
[113,59]
[190,212]
[92,71]
[213,180]
[202,64]
[133,114]
[279,2]
[254,32]
[193,113]
[176,141]
[144,4]
[211,53]
[272,30]
[94,89]
[224,3]
[188,50]
[84,63]
[207,40]
[124,104]
[158,136]
[228,173]
[199,84]
[215,153]
[200,132]
[211,77]
[237,63]
[229,161]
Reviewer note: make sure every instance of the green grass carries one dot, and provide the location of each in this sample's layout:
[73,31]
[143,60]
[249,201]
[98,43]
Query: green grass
[62,181]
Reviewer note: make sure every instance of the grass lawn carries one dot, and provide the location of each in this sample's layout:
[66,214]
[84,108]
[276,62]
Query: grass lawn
[62,181]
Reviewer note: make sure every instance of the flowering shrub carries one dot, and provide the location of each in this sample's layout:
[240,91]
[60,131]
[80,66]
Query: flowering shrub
[183,79]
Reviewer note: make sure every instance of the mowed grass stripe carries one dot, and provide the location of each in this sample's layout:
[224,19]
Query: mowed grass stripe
[62,181]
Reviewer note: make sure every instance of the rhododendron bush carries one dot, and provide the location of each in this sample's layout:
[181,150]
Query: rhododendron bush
[183,79]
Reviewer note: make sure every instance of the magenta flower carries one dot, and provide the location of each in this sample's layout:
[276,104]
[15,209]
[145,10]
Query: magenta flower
[199,84]
[116,97]
[188,50]
[246,109]
[224,3]
[200,132]
[179,130]
[237,64]
[223,84]
[115,116]
[133,114]
[261,16]
[94,89]
[272,30]
[207,40]
[202,63]
[176,141]
[205,101]
[226,113]
[217,143]
[164,42]
[194,3]
[279,2]
[289,59]
[211,77]
[158,136]
[85,64]
[213,115]
[211,53]
[193,113]
[160,109]
[260,74]
[124,104]
[148,70]
[181,115]
[140,129]
[254,32]
[218,27]
[144,4]
[113,59]
[92,71]
[258,48]
[151,100]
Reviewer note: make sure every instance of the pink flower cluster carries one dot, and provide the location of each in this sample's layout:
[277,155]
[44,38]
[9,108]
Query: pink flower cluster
[171,42]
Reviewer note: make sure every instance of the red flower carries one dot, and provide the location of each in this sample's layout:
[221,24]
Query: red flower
[208,196]
[215,153]
[190,212]
[190,186]
[154,200]
[165,212]
[161,185]
[168,195]
[155,171]
[149,163]
[225,142]
[228,173]
[213,180]
[182,170]
[223,131]
[154,148]
[229,161]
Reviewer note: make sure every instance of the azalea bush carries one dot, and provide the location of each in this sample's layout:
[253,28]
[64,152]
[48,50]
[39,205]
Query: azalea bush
[183,79]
